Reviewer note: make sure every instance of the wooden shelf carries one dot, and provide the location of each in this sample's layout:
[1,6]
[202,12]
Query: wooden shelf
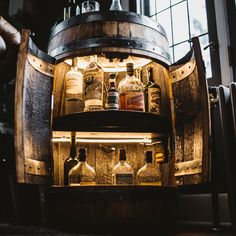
[113,121]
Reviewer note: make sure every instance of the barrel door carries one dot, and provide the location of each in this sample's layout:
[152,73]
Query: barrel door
[191,114]
[34,84]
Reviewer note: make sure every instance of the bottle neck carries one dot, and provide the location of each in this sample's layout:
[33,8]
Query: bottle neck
[112,83]
[150,75]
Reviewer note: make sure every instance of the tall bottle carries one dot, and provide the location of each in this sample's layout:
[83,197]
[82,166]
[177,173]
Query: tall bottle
[69,9]
[122,173]
[131,91]
[148,174]
[72,160]
[116,6]
[73,92]
[90,6]
[112,94]
[93,86]
[82,173]
[152,94]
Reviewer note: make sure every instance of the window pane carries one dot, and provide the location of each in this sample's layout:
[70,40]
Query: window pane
[175,1]
[161,4]
[164,19]
[198,17]
[180,22]
[204,41]
[181,50]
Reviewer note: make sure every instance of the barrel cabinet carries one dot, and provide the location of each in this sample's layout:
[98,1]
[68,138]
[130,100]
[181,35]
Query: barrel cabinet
[180,135]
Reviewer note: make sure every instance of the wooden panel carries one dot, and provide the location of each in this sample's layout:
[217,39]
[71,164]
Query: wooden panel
[33,113]
[192,119]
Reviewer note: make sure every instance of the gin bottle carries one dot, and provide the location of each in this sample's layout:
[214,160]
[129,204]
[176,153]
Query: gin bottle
[71,161]
[148,174]
[122,173]
[73,93]
[82,173]
[93,86]
[116,6]
[131,91]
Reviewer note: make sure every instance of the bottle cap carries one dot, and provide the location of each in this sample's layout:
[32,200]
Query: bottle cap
[82,154]
[148,156]
[122,155]
[130,67]
[112,76]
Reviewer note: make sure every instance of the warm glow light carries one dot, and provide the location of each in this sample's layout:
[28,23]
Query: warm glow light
[86,140]
[110,66]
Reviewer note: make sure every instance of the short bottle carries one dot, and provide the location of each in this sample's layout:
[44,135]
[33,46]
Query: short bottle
[90,6]
[72,160]
[82,173]
[112,94]
[152,94]
[116,6]
[93,77]
[73,92]
[122,173]
[148,174]
[131,91]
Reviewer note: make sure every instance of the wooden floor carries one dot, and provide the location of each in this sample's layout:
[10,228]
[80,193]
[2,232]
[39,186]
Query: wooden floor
[15,230]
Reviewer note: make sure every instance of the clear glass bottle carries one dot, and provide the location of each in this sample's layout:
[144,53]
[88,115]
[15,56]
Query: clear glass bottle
[112,94]
[148,174]
[122,173]
[131,91]
[152,94]
[82,173]
[73,92]
[116,6]
[93,86]
[90,6]
[72,160]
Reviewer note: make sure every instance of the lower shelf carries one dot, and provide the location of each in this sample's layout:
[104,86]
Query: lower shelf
[108,208]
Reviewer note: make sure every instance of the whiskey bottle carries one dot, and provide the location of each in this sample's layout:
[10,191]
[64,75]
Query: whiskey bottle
[90,6]
[131,91]
[73,93]
[112,94]
[71,161]
[122,173]
[93,86]
[116,6]
[152,94]
[82,173]
[148,174]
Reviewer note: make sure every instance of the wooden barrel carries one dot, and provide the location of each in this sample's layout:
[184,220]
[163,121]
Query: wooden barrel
[112,33]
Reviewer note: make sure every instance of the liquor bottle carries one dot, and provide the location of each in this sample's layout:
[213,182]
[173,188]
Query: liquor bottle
[90,6]
[73,92]
[116,6]
[148,174]
[152,94]
[71,161]
[93,86]
[122,173]
[69,9]
[82,173]
[112,94]
[131,91]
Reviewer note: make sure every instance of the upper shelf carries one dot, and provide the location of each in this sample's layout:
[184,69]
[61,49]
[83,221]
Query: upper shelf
[112,121]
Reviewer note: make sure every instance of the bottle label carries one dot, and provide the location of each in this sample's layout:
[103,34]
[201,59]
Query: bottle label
[113,100]
[133,101]
[93,91]
[124,179]
[154,100]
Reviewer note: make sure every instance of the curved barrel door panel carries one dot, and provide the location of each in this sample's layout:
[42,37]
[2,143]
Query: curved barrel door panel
[191,118]
[34,84]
